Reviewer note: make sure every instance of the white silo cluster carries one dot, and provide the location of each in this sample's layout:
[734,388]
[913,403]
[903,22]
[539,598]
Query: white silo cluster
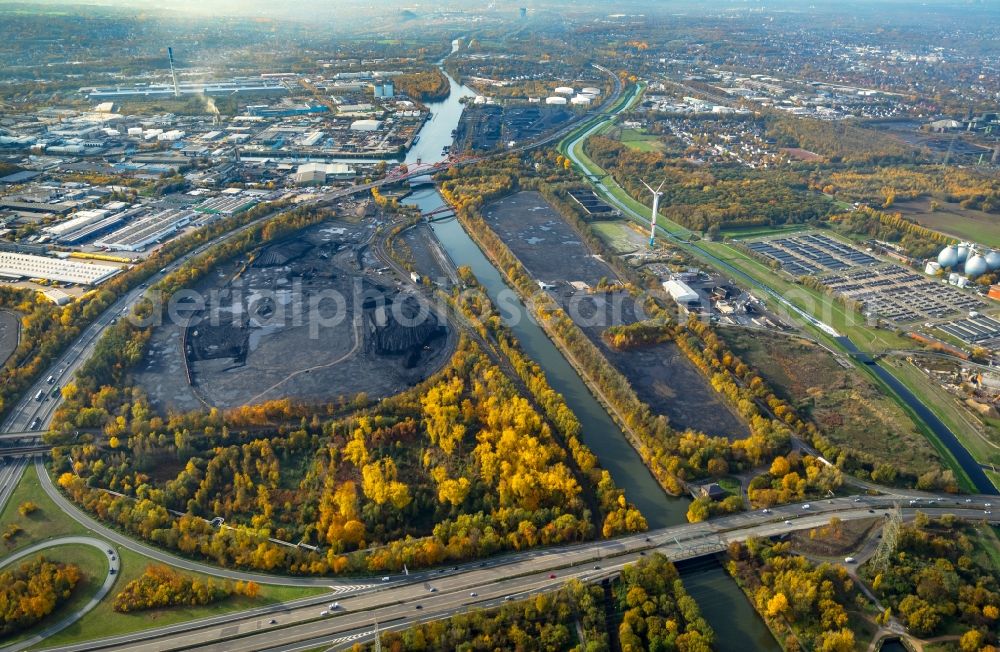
[965,259]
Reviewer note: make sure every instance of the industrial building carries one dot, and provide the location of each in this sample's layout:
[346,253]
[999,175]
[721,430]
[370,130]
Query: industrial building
[240,87]
[682,293]
[22,266]
[226,205]
[145,231]
[366,125]
[385,90]
[317,174]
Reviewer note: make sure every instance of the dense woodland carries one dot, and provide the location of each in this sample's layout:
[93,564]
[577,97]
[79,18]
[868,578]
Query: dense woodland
[656,613]
[883,186]
[838,142]
[804,604]
[940,579]
[161,586]
[425,85]
[32,590]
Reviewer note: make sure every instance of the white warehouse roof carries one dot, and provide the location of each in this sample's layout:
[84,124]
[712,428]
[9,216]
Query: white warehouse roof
[680,292]
[53,269]
[365,125]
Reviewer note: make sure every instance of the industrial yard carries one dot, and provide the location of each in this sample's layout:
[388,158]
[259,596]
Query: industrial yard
[259,338]
[555,255]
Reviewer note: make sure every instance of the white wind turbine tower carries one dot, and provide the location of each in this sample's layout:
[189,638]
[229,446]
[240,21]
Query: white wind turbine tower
[656,209]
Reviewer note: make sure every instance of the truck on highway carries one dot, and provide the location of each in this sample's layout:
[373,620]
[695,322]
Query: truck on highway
[40,395]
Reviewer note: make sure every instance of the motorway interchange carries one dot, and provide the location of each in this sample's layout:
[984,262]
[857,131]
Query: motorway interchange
[401,600]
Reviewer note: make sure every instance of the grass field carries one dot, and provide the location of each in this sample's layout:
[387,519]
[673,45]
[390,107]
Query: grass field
[757,232]
[104,621]
[639,140]
[48,522]
[850,410]
[619,235]
[953,220]
[94,566]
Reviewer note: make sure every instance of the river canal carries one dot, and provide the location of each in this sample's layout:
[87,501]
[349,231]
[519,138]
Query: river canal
[723,604]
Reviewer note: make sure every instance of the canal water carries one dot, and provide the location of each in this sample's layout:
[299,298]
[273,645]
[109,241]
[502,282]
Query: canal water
[723,604]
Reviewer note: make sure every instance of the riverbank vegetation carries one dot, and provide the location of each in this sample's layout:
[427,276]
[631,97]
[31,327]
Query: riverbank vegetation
[806,606]
[861,427]
[673,457]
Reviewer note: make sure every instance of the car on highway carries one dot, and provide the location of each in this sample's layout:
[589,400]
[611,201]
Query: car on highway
[552,576]
[765,511]
[987,512]
[849,560]
[324,613]
[987,505]
[112,571]
[787,522]
[806,506]
[40,395]
[508,598]
[334,606]
[968,500]
[50,379]
[35,424]
[432,589]
[385,579]
[272,622]
[419,606]
[473,594]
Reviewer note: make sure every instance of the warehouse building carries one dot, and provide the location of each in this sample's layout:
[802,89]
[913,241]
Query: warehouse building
[226,205]
[148,230]
[318,174]
[21,266]
[682,293]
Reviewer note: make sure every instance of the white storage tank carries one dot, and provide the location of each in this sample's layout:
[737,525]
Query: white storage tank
[591,90]
[993,260]
[580,100]
[976,266]
[555,100]
[564,90]
[948,256]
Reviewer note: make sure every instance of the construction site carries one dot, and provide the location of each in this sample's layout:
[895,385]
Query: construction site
[313,318]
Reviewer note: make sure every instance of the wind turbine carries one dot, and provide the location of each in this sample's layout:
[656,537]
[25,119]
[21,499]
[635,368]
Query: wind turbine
[656,209]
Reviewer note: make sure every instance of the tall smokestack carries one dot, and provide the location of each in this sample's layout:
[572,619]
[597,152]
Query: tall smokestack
[173,72]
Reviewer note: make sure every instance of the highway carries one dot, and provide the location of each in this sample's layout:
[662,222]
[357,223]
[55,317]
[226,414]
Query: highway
[70,618]
[394,603]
